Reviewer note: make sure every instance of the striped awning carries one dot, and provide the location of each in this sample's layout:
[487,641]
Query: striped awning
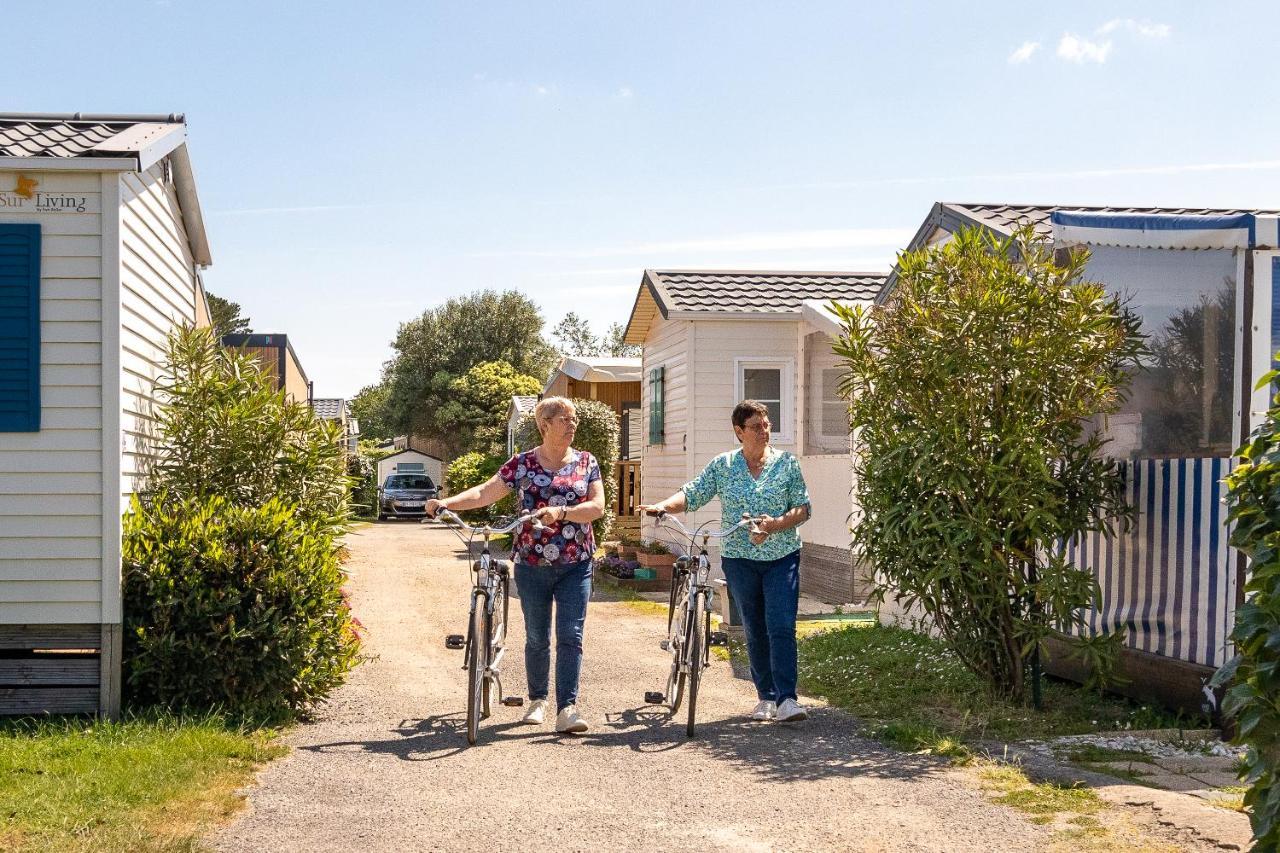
[1166,230]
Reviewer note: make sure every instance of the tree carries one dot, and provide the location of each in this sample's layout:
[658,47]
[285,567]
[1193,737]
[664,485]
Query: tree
[479,402]
[225,318]
[971,392]
[574,335]
[1254,673]
[615,345]
[445,342]
[369,407]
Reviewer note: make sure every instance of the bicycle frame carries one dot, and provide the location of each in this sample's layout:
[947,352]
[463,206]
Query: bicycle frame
[690,639]
[490,579]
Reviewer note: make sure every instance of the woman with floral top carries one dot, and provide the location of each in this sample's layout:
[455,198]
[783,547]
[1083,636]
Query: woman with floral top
[762,566]
[562,488]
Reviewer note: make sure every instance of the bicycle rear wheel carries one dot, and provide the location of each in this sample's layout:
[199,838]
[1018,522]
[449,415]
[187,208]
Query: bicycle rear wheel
[697,650]
[476,666]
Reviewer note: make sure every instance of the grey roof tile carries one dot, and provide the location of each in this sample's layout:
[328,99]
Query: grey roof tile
[1007,217]
[759,292]
[61,136]
[328,408]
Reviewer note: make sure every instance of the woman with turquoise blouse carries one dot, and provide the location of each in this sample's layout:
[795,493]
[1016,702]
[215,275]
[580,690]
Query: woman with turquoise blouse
[762,565]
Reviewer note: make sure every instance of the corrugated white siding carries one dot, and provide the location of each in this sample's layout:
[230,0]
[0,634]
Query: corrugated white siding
[664,467]
[158,292]
[51,480]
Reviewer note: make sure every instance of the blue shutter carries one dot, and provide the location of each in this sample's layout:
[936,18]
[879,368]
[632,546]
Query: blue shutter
[19,328]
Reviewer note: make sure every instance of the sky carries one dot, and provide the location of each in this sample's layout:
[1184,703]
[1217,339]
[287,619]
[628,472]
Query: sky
[360,163]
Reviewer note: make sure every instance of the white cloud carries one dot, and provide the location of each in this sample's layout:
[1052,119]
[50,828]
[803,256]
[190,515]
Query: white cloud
[625,92]
[1023,54]
[1072,48]
[542,91]
[1143,28]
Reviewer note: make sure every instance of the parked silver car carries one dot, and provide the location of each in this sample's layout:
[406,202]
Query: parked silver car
[405,496]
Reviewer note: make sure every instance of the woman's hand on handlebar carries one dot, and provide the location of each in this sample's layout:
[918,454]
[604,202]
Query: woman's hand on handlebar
[549,515]
[657,510]
[761,529]
[433,508]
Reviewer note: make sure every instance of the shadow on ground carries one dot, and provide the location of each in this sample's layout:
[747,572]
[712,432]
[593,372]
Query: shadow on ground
[821,748]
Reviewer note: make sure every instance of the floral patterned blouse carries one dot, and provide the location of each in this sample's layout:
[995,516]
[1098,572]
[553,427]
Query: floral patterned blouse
[559,543]
[779,488]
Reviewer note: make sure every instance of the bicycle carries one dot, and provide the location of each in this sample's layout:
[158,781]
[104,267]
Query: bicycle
[689,634]
[485,641]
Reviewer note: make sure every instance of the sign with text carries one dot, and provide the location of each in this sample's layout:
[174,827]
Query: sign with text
[27,197]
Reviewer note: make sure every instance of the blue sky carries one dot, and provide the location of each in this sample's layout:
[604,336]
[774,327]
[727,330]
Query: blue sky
[360,163]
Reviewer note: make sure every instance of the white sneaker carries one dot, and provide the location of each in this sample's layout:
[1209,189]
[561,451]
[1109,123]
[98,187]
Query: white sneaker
[568,721]
[537,713]
[764,711]
[791,711]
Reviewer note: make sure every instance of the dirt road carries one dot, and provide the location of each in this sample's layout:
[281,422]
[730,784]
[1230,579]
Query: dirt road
[386,766]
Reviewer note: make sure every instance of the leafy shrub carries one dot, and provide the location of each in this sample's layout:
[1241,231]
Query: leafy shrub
[597,434]
[232,584]
[972,388]
[1255,671]
[472,469]
[225,430]
[243,607]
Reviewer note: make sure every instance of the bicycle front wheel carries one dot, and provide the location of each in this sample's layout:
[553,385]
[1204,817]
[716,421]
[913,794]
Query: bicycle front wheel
[675,643]
[477,665]
[697,650]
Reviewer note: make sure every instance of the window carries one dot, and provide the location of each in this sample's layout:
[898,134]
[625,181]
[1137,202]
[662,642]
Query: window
[20,327]
[657,405]
[768,381]
[1180,401]
[834,421]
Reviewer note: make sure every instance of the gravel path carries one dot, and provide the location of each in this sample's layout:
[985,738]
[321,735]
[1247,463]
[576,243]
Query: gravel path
[386,767]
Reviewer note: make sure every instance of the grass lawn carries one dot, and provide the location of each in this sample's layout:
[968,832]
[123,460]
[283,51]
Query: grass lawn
[150,783]
[912,692]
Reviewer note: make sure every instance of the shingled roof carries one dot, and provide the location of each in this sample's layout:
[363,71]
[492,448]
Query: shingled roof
[329,408]
[107,143]
[741,292]
[1005,218]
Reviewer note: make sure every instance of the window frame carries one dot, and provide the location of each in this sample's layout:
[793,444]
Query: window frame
[786,367]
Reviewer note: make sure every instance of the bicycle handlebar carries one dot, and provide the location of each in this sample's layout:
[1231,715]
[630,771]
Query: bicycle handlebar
[486,530]
[747,521]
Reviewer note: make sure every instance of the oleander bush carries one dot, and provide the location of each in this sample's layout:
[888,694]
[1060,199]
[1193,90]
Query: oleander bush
[973,389]
[1253,698]
[232,581]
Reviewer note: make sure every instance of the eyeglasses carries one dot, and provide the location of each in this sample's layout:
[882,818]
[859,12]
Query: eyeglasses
[565,420]
[763,426]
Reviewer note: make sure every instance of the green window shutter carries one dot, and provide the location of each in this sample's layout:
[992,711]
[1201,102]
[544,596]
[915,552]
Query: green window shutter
[657,405]
[19,328]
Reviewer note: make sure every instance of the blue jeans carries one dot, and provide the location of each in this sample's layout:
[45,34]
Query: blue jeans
[767,594]
[569,587]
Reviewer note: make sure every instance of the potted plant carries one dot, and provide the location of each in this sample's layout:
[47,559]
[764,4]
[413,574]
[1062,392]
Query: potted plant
[655,556]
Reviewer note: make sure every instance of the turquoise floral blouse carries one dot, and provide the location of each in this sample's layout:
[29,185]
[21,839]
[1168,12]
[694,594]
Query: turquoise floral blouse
[779,488]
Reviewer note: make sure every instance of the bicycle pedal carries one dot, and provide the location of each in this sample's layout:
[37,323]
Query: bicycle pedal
[719,638]
[665,645]
[455,641]
[653,697]
[513,701]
